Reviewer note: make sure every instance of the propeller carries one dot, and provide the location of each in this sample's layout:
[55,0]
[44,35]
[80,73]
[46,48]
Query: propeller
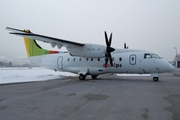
[109,49]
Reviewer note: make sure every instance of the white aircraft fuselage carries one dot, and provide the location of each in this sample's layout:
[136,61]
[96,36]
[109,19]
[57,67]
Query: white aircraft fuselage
[128,61]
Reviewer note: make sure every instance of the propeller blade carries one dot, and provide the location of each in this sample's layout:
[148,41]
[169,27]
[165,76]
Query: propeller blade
[106,38]
[110,39]
[111,62]
[106,62]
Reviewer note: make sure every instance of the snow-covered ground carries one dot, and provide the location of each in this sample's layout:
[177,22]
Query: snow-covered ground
[14,75]
[133,74]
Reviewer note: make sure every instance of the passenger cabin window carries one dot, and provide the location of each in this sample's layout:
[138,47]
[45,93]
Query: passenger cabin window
[98,59]
[79,59]
[74,59]
[148,55]
[68,59]
[132,59]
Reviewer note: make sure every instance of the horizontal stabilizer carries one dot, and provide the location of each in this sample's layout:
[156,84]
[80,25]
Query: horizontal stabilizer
[17,30]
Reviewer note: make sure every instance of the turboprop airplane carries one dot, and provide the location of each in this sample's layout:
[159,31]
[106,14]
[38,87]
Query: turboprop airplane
[91,59]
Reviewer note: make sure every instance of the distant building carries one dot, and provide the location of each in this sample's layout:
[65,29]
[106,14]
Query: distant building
[177,61]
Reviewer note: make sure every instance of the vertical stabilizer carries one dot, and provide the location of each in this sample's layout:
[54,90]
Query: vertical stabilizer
[33,49]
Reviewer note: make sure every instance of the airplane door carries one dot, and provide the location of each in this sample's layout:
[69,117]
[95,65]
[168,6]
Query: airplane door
[132,59]
[60,62]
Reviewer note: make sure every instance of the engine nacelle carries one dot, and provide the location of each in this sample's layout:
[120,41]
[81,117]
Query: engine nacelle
[88,50]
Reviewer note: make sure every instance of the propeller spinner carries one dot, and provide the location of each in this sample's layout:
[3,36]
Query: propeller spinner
[109,49]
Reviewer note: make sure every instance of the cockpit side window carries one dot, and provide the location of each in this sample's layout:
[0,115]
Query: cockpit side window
[156,56]
[147,55]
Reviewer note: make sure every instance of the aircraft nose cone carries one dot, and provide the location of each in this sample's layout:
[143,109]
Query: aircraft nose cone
[172,68]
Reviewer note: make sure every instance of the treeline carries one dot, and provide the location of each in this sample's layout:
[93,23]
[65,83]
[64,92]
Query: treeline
[10,64]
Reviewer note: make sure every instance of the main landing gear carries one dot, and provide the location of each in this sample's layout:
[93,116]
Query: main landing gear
[83,77]
[93,76]
[155,79]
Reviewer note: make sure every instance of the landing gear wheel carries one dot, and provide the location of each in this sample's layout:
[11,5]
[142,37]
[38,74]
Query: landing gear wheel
[82,77]
[155,79]
[93,76]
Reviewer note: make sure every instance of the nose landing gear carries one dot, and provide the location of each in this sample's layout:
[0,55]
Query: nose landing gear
[155,77]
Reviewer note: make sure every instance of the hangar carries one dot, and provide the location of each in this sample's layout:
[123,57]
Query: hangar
[177,61]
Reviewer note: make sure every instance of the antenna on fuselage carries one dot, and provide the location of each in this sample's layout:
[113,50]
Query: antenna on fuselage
[125,47]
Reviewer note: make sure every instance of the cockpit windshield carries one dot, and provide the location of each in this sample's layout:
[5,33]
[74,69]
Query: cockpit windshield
[148,55]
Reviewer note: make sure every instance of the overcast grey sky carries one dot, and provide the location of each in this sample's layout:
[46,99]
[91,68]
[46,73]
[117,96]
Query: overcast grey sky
[152,25]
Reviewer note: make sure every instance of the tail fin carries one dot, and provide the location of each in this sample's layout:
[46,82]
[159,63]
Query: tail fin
[33,49]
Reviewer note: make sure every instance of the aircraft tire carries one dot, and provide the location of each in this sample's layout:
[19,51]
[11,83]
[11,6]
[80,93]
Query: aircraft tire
[93,76]
[155,79]
[81,77]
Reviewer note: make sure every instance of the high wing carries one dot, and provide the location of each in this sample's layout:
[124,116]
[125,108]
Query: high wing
[74,48]
[47,39]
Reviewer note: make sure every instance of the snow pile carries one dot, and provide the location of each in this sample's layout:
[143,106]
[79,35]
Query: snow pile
[14,75]
[133,74]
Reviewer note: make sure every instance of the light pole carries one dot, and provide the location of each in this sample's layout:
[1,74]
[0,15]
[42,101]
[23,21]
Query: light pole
[176,50]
